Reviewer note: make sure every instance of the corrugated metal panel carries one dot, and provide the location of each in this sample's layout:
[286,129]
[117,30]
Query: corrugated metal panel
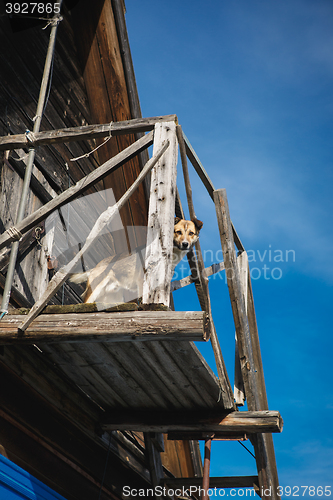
[16,483]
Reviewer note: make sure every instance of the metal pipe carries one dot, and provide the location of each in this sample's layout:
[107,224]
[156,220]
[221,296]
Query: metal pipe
[205,478]
[31,157]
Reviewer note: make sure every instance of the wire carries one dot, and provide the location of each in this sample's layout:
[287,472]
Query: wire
[105,467]
[247,449]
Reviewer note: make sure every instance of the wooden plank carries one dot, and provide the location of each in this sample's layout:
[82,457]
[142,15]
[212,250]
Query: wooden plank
[180,386]
[91,307]
[85,132]
[153,457]
[79,188]
[195,420]
[239,390]
[35,185]
[214,482]
[180,459]
[248,368]
[208,271]
[107,327]
[248,345]
[159,252]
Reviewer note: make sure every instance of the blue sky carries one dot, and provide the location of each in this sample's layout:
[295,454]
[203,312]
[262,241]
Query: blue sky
[251,83]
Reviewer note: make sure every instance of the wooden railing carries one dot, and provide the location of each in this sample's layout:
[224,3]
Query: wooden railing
[165,135]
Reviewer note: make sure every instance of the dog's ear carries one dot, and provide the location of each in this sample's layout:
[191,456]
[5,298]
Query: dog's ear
[198,223]
[177,219]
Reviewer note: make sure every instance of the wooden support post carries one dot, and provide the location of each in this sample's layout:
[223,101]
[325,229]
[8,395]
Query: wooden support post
[154,460]
[159,252]
[248,344]
[199,436]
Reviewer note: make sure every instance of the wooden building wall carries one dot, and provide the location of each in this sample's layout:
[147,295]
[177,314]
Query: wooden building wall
[46,423]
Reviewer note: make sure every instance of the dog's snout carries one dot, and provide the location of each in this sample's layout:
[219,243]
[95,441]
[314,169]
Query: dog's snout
[185,244]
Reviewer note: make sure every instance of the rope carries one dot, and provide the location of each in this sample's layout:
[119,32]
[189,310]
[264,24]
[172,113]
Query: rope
[52,22]
[30,135]
[14,234]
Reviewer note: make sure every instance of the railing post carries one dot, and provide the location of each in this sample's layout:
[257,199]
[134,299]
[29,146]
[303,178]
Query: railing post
[159,253]
[248,345]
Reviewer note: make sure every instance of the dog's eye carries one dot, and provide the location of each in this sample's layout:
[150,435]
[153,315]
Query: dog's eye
[191,233]
[179,232]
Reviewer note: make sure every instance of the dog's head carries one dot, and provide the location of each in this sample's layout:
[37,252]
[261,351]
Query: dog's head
[186,233]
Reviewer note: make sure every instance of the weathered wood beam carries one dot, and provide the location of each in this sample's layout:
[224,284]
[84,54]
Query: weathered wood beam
[86,132]
[158,263]
[214,482]
[199,436]
[74,191]
[247,422]
[107,327]
[89,307]
[248,345]
[239,389]
[248,367]
[187,280]
[16,295]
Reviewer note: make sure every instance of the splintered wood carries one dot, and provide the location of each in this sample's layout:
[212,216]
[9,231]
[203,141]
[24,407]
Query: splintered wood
[158,265]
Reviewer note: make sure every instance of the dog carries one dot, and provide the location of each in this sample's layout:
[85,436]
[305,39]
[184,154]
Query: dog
[185,235]
[119,278]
